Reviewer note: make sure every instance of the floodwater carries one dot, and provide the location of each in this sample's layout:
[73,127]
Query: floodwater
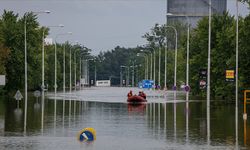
[167,121]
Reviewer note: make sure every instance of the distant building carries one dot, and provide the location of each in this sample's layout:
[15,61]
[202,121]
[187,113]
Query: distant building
[194,9]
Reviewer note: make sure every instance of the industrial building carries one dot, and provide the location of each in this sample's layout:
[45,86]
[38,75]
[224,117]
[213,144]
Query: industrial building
[190,11]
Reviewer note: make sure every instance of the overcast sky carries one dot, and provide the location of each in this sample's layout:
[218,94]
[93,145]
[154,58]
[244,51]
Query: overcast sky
[100,24]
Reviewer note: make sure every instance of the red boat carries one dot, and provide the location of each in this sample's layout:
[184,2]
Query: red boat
[135,99]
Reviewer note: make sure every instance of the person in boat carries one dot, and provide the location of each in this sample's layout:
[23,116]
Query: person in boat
[142,94]
[130,93]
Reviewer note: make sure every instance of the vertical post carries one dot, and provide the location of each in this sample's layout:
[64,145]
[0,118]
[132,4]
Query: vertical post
[166,48]
[43,61]
[25,70]
[208,73]
[42,117]
[175,60]
[87,71]
[165,72]
[75,68]
[128,75]
[209,51]
[64,68]
[137,75]
[120,76]
[154,68]
[133,74]
[55,86]
[236,73]
[237,54]
[70,78]
[145,75]
[245,98]
[147,66]
[245,132]
[95,72]
[80,72]
[187,75]
[159,74]
[151,65]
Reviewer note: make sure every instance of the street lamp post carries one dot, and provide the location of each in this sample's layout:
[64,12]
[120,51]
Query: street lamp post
[55,85]
[146,64]
[209,55]
[75,68]
[236,73]
[175,61]
[60,25]
[237,54]
[125,72]
[25,66]
[80,62]
[151,63]
[70,76]
[70,84]
[128,76]
[188,36]
[95,72]
[88,69]
[120,76]
[165,71]
[208,71]
[133,74]
[154,67]
[159,73]
[136,73]
[166,56]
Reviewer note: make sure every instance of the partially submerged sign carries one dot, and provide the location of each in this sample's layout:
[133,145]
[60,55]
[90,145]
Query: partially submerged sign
[2,79]
[18,96]
[87,134]
[37,93]
[147,84]
[230,75]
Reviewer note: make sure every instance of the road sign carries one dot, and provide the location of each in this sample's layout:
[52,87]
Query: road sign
[203,84]
[2,79]
[37,93]
[147,84]
[203,73]
[87,134]
[230,75]
[18,96]
[187,88]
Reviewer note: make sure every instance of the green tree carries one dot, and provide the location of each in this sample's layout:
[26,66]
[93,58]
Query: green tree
[222,54]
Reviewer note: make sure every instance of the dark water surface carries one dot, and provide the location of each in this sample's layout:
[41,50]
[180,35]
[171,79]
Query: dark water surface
[165,122]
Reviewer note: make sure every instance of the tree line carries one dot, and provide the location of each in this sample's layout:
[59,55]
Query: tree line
[223,51]
[12,54]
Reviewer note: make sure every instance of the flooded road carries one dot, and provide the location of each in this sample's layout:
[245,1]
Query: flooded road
[166,121]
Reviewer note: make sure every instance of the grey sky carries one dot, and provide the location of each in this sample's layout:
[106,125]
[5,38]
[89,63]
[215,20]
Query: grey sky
[100,24]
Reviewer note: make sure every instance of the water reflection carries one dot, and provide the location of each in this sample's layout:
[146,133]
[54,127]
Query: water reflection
[174,115]
[139,108]
[187,117]
[177,124]
[18,112]
[55,105]
[42,113]
[208,123]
